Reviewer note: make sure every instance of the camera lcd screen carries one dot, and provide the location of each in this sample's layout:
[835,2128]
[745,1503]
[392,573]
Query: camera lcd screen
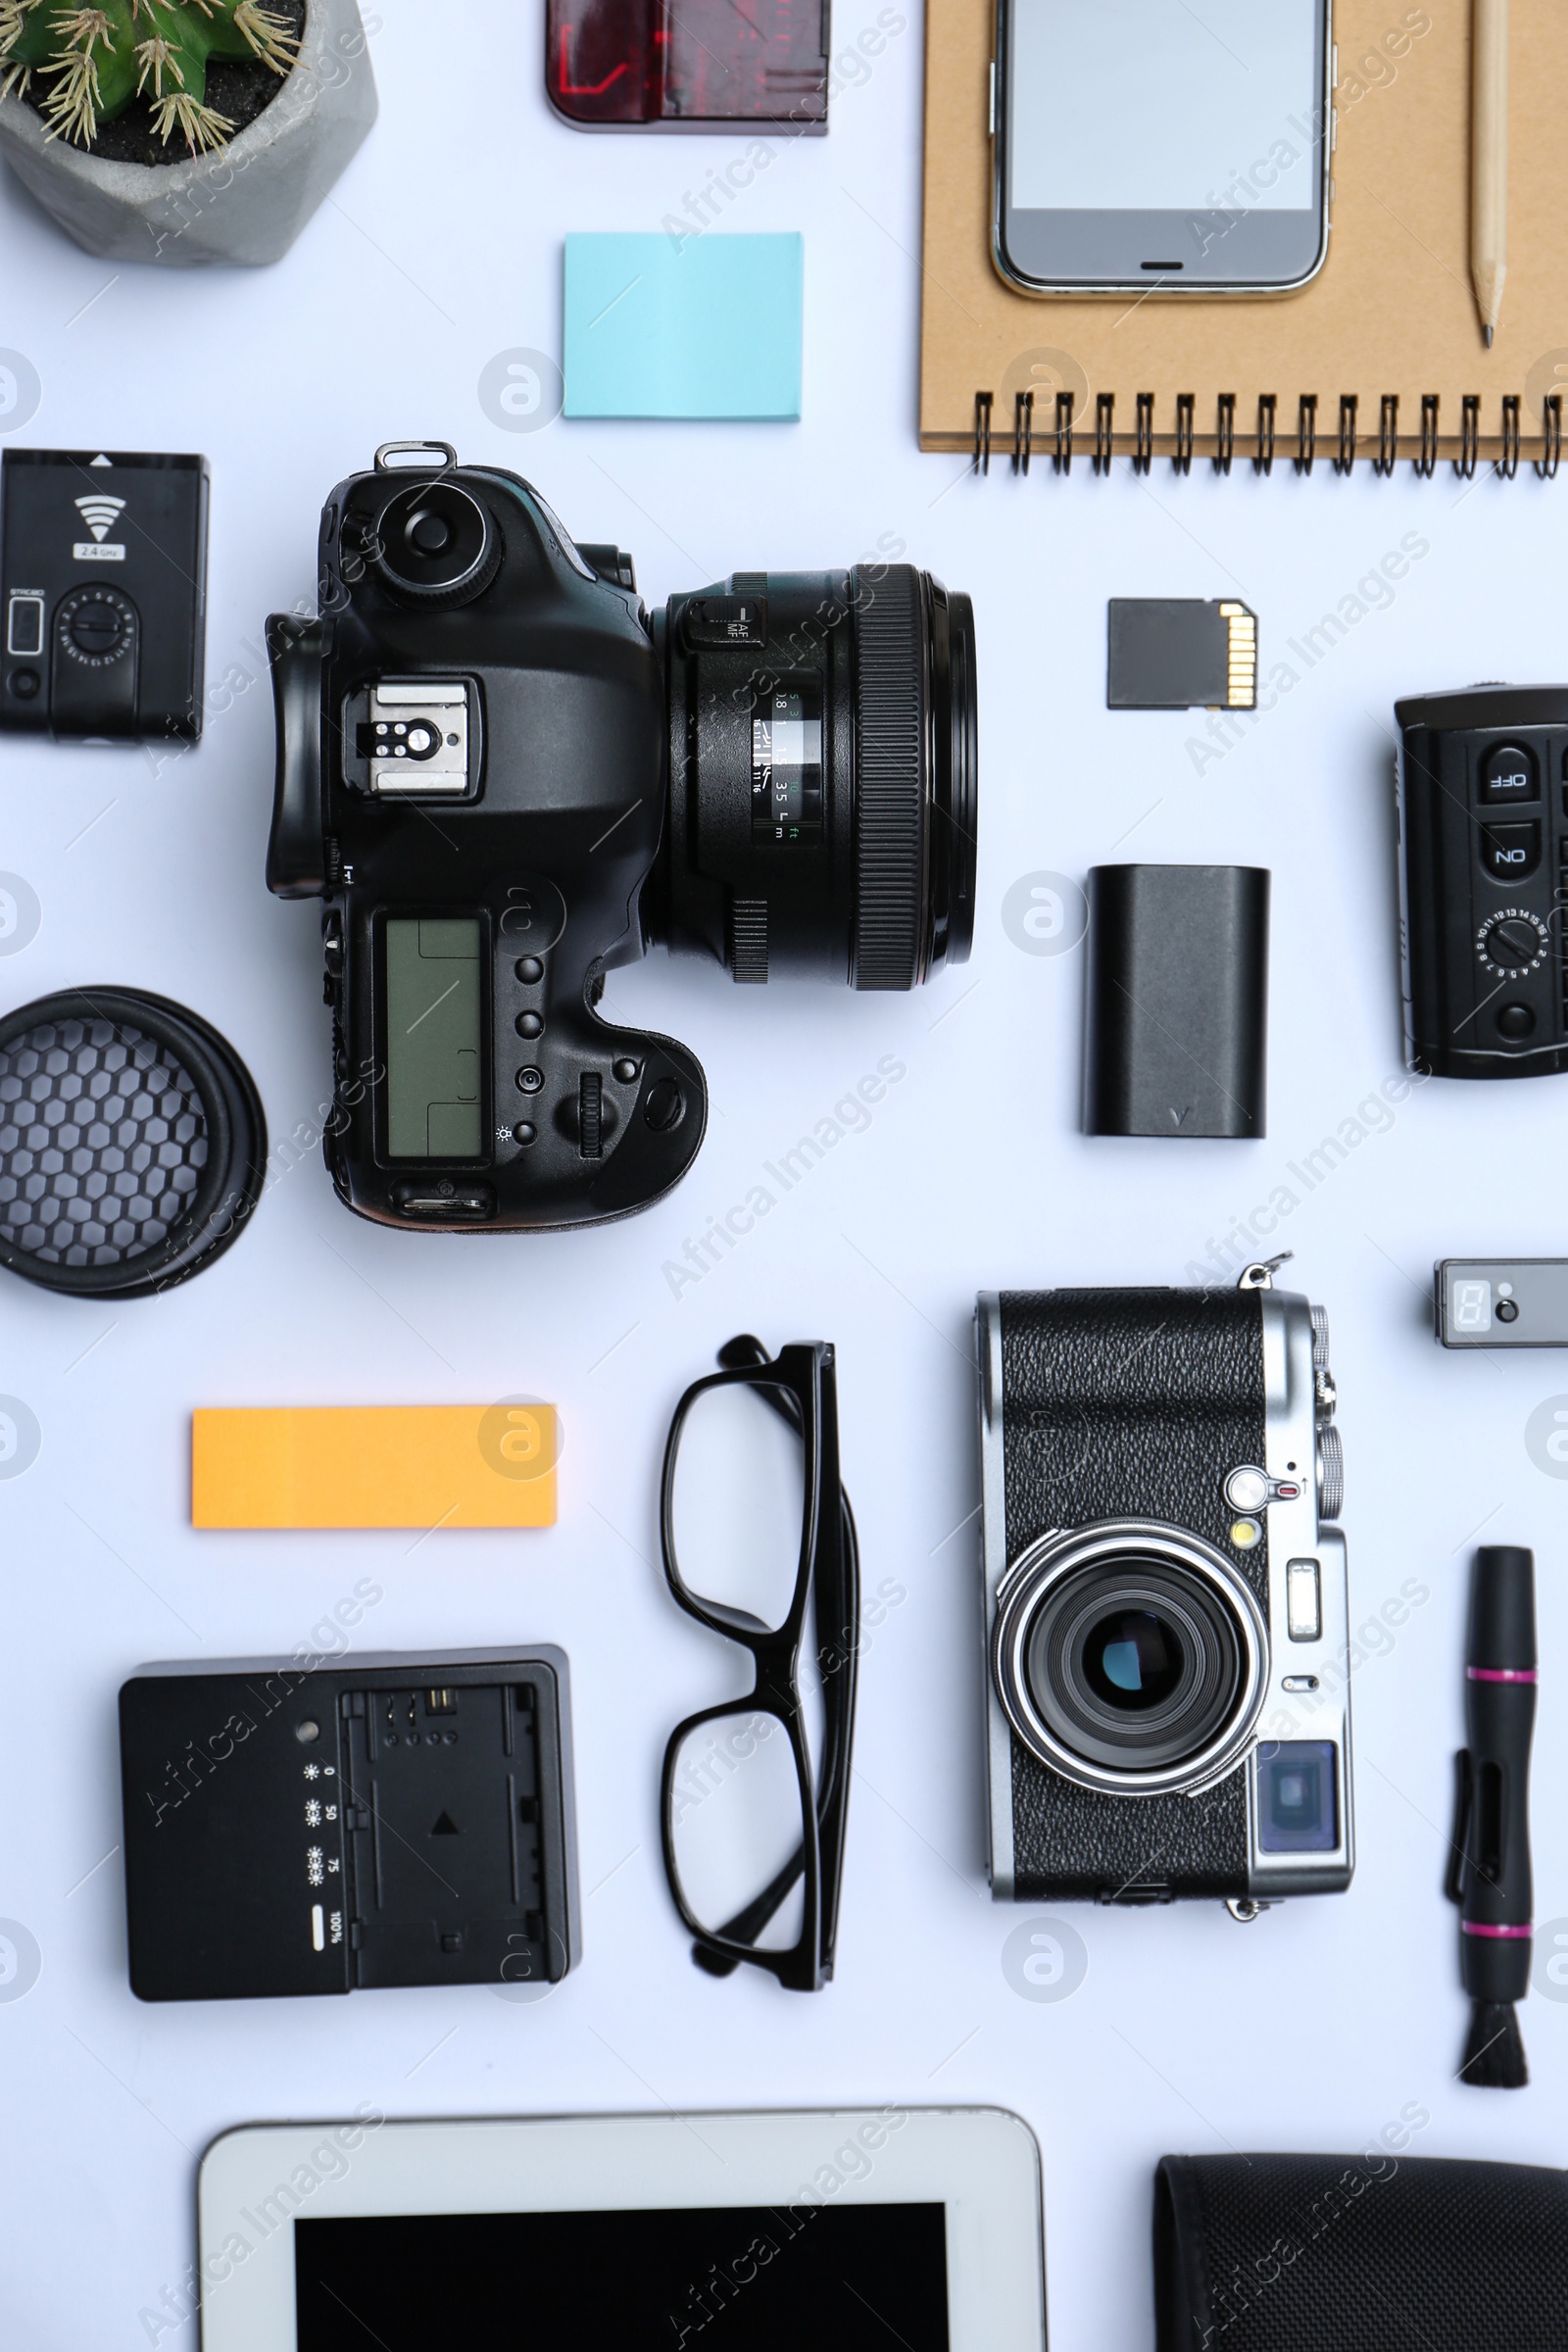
[770,2278]
[1297,1812]
[432,1038]
[787,770]
[1153,106]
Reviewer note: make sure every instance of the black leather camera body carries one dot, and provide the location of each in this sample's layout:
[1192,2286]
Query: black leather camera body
[1165,1610]
[1484,823]
[504,778]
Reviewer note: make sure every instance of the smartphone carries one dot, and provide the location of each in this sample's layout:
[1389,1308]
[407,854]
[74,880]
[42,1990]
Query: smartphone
[1162,146]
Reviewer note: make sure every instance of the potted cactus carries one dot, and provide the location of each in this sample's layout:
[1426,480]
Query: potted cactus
[182,131]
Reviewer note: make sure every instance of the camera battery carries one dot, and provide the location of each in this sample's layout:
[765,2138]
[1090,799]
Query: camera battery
[1502,1302]
[319,1826]
[103,594]
[1176,1005]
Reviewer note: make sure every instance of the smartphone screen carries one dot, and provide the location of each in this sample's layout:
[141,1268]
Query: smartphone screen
[1161,143]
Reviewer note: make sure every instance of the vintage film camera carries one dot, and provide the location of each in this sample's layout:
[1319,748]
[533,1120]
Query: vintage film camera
[505,777]
[1157,1466]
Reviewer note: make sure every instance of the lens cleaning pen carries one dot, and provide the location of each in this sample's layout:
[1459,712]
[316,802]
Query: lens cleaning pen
[1488,1872]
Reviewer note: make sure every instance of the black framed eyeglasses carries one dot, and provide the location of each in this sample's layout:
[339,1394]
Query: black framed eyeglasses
[756,1526]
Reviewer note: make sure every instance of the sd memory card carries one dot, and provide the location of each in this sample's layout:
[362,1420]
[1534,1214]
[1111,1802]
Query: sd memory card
[1181,654]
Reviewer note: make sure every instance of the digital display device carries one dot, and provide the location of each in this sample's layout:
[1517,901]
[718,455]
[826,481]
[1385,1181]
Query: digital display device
[432,1039]
[1154,144]
[1196,97]
[764,2278]
[835,2229]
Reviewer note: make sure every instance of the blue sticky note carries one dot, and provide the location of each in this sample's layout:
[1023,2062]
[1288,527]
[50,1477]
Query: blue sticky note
[711,330]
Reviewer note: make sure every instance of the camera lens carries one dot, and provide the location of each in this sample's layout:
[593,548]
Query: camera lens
[437,545]
[1134,1662]
[822,794]
[1133,1659]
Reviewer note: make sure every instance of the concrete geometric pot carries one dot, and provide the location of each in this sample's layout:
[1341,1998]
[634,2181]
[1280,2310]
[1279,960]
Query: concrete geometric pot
[245,204]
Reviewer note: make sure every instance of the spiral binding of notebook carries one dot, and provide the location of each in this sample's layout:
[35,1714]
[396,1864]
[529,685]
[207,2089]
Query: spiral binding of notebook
[1342,451]
[1384,345]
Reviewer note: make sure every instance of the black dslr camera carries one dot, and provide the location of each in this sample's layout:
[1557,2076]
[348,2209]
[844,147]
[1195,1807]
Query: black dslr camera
[505,777]
[1484,821]
[1166,1612]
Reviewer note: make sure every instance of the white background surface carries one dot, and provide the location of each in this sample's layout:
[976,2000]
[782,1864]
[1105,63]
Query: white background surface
[1309,2029]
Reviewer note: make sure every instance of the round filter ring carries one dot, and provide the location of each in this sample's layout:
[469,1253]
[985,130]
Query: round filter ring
[129,1191]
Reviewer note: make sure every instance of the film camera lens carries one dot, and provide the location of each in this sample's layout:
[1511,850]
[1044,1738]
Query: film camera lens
[1135,1662]
[1133,1659]
[1130,1656]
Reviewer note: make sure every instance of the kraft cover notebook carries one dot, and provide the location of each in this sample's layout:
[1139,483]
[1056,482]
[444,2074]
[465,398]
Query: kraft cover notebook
[1379,358]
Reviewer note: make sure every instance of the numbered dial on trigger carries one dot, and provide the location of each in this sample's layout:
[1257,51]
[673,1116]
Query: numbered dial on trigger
[1513,942]
[96,626]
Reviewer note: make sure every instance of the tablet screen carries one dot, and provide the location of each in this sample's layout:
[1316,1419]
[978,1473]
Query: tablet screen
[766,2279]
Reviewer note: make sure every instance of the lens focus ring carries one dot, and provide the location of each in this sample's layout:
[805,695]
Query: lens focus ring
[889,724]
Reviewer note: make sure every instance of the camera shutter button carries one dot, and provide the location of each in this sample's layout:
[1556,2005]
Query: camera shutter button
[1247,1489]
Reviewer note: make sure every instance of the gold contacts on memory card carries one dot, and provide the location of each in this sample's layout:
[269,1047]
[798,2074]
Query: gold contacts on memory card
[1181,654]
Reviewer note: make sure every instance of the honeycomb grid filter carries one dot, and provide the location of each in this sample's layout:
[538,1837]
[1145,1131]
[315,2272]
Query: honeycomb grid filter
[132,1143]
[102,1142]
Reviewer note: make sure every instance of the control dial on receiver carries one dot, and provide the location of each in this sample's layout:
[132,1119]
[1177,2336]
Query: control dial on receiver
[1513,942]
[95,626]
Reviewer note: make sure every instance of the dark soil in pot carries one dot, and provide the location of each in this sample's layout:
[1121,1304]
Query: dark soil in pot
[238,89]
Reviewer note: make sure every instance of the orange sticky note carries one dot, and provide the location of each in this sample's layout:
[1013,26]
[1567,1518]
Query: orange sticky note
[375,1465]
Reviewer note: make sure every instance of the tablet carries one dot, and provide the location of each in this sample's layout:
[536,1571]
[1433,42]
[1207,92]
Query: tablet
[913,2225]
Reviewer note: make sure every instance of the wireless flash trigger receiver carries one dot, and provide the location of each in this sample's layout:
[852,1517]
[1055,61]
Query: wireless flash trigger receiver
[103,594]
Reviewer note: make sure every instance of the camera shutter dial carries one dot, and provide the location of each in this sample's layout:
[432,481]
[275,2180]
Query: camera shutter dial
[1330,1472]
[437,545]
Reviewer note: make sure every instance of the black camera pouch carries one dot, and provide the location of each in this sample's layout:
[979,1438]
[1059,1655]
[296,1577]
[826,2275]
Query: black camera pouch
[1358,2254]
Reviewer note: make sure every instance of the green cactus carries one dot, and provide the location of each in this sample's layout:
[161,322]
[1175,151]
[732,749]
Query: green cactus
[96,60]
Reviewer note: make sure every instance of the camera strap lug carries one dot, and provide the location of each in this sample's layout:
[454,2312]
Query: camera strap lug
[415,448]
[1245,1907]
[1260,1275]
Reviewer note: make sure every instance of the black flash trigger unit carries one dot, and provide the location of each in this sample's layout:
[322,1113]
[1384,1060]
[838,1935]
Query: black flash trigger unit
[327,1825]
[103,594]
[1502,1302]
